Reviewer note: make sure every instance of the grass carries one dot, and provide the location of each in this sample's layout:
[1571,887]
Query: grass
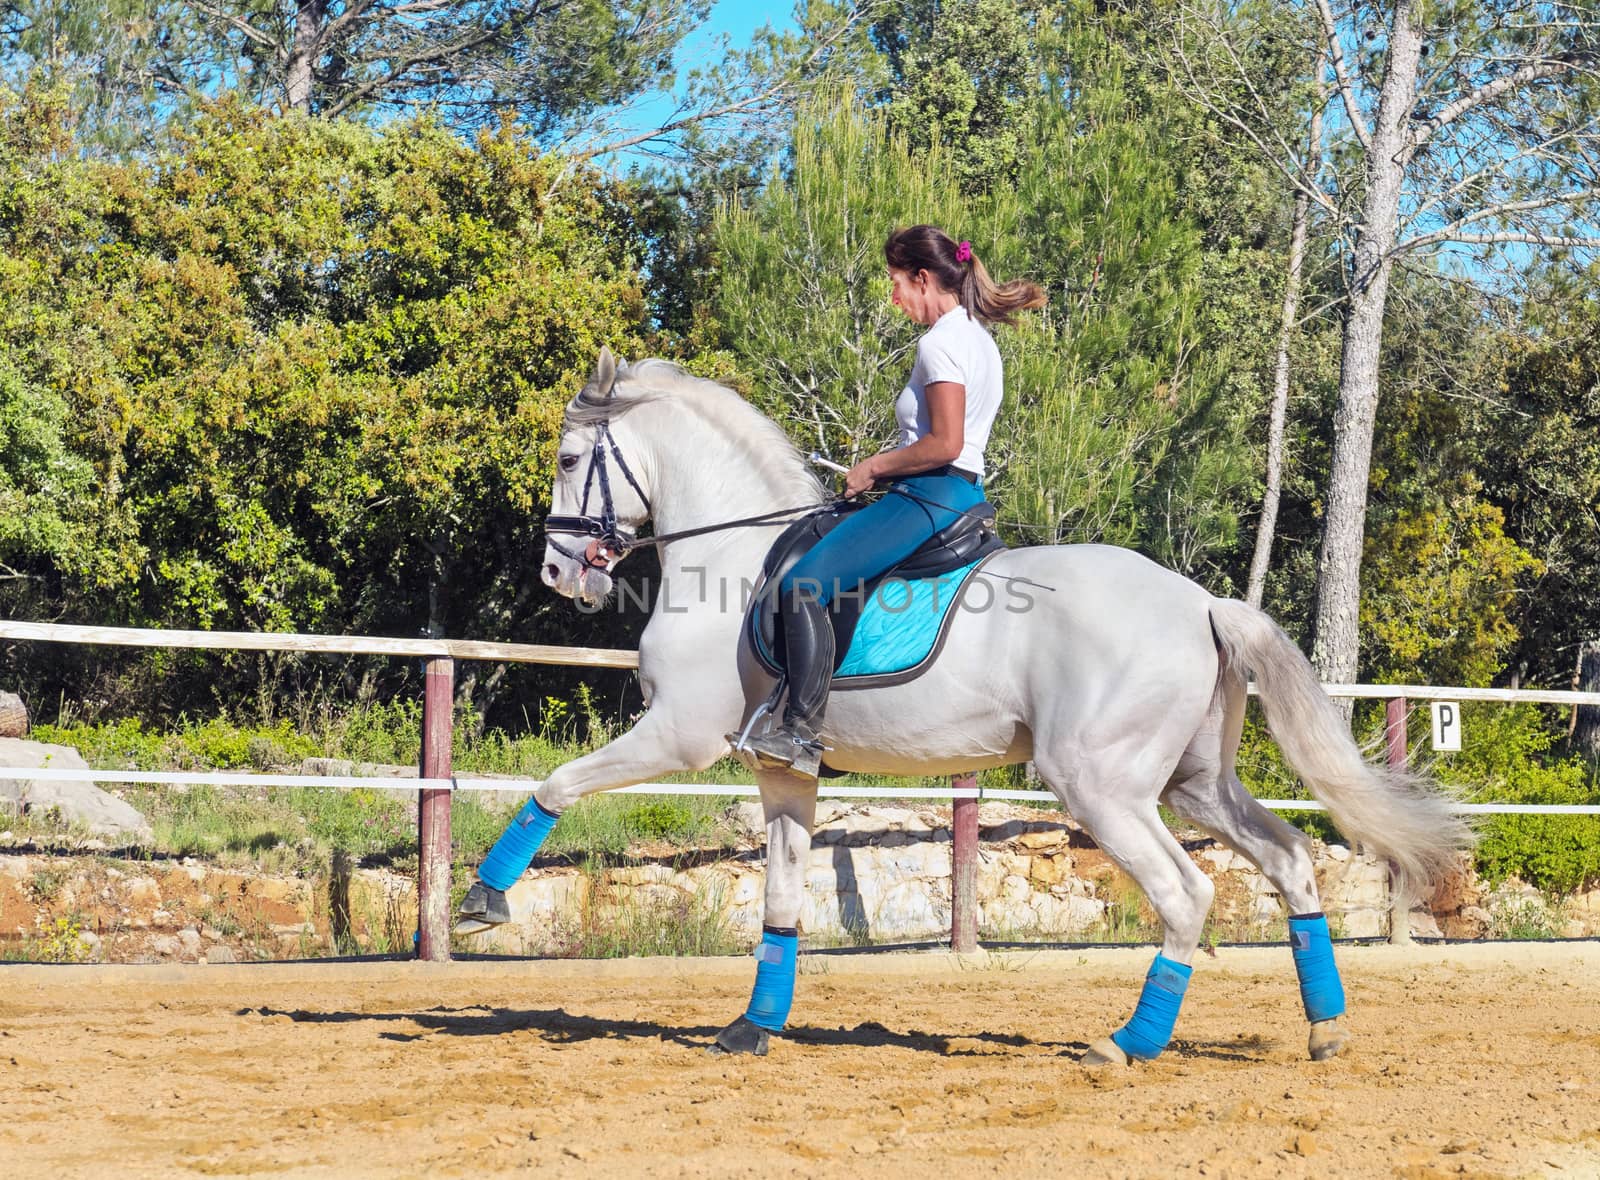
[1526,919]
[57,941]
[297,829]
[618,923]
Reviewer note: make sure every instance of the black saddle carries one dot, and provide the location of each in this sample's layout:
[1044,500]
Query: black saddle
[971,536]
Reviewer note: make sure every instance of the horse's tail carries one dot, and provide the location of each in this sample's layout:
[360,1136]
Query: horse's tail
[1399,815]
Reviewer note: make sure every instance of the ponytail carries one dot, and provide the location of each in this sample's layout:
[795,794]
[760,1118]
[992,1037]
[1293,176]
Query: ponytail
[958,270]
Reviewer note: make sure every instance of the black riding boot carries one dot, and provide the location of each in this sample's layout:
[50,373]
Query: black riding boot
[808,664]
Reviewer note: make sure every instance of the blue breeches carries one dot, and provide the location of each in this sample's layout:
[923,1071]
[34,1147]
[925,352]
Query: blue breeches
[868,542]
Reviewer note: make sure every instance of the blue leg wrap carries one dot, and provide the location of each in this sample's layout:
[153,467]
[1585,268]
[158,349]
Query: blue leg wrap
[1151,1027]
[513,852]
[1320,989]
[774,990]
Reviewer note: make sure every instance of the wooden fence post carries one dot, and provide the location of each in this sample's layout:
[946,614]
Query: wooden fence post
[964,868]
[1394,732]
[433,812]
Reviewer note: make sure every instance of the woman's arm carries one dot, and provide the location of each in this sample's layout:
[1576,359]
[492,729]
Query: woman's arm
[947,417]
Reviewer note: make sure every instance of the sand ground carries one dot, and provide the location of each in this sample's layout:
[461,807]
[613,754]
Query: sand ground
[1474,1060]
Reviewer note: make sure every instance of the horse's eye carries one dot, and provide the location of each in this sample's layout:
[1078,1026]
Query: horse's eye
[568,462]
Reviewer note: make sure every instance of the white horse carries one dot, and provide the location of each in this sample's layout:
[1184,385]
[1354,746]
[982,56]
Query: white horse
[1124,683]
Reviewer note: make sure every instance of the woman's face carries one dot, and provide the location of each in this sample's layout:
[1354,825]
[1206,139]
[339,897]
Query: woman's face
[914,294]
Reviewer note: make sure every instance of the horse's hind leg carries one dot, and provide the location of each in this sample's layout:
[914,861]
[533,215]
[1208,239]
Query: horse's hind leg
[790,804]
[1206,791]
[1119,811]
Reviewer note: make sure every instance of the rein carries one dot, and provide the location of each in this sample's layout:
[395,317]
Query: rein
[605,529]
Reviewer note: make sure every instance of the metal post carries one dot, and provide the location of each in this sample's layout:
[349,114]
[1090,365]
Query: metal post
[964,869]
[433,813]
[1394,732]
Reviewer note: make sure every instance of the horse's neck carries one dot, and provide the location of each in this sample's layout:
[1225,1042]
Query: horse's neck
[702,475]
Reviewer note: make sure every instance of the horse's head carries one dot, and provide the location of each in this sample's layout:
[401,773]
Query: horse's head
[599,500]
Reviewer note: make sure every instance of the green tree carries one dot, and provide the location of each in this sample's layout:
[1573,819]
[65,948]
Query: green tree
[1537,437]
[316,371]
[1459,125]
[963,75]
[1101,387]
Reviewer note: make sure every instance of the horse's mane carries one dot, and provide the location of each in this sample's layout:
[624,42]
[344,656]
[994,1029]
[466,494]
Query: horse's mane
[751,431]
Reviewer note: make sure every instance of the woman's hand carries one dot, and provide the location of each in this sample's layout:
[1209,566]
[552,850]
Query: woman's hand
[861,478]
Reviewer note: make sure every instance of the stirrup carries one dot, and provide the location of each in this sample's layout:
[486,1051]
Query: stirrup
[778,748]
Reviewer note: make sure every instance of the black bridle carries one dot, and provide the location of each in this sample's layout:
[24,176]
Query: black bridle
[603,528]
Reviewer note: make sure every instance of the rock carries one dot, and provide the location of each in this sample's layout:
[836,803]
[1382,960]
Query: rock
[189,940]
[1045,840]
[142,891]
[1364,923]
[1471,922]
[13,716]
[749,820]
[640,875]
[1220,859]
[77,802]
[1422,924]
[165,945]
[221,954]
[857,828]
[828,810]
[1050,871]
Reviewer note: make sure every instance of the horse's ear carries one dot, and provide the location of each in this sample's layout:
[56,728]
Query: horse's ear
[605,373]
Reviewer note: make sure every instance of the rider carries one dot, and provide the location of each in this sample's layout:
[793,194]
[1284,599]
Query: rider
[935,475]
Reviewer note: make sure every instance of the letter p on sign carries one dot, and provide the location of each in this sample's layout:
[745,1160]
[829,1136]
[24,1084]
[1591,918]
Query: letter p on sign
[1446,725]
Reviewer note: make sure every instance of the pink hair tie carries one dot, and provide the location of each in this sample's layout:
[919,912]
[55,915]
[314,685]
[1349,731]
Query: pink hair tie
[964,252]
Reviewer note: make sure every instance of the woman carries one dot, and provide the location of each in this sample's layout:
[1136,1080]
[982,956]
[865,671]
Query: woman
[945,413]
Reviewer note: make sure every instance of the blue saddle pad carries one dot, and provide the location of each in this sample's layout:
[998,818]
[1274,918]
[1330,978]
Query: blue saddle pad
[901,625]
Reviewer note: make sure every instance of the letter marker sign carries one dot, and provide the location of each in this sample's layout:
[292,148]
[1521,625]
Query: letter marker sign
[1446,725]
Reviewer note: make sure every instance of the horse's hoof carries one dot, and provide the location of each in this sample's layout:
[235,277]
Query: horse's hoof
[482,909]
[1327,1040]
[1105,1051]
[742,1036]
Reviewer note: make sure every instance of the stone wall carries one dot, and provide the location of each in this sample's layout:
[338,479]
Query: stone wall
[882,874]
[876,874]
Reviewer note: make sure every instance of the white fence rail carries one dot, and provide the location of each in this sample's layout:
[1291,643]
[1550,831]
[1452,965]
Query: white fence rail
[527,786]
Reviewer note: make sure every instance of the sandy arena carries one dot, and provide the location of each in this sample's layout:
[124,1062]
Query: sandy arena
[1475,1060]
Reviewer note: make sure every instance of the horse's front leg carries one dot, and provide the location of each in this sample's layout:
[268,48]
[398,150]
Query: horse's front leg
[790,804]
[658,744]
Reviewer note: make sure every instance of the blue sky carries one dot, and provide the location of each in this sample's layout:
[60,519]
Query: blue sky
[738,20]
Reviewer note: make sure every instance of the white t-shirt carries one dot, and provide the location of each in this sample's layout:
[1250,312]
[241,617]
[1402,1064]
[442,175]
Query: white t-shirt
[956,348]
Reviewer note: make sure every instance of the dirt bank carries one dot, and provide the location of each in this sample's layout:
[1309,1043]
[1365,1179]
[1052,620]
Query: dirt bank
[1477,1060]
